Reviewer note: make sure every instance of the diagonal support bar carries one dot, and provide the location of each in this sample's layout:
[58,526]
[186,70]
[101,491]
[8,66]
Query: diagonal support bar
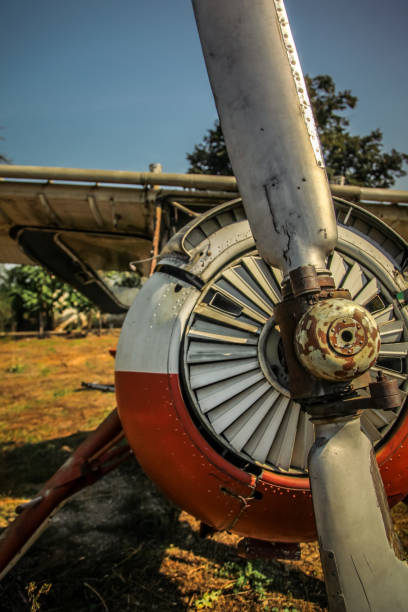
[95,457]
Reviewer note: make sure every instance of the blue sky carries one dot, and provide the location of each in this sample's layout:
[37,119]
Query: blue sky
[121,83]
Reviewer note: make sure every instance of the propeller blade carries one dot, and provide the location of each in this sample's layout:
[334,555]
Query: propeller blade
[269,129]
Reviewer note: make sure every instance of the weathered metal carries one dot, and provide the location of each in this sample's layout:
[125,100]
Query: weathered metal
[98,387]
[94,458]
[263,107]
[50,173]
[250,548]
[357,193]
[156,238]
[385,393]
[211,393]
[357,544]
[213,183]
[175,454]
[227,435]
[305,280]
[269,129]
[337,340]
[288,313]
[157,408]
[107,225]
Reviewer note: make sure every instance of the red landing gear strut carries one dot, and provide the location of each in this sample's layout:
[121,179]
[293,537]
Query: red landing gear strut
[101,452]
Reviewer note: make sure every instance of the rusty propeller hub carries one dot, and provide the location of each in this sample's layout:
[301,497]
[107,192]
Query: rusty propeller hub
[336,339]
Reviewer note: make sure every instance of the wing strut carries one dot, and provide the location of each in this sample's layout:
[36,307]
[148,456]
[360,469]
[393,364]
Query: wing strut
[102,451]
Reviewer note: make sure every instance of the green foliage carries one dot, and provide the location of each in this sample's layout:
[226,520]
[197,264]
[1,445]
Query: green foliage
[247,575]
[360,159]
[32,292]
[207,600]
[211,156]
[36,289]
[75,299]
[3,158]
[60,393]
[327,101]
[6,310]
[123,279]
[16,368]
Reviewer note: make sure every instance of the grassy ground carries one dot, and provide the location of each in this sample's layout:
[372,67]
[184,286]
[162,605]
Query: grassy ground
[119,545]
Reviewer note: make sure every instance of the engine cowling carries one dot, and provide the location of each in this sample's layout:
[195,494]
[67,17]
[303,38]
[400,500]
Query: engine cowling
[201,380]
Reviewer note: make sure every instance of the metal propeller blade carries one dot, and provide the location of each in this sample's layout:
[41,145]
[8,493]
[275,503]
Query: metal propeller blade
[275,154]
[269,129]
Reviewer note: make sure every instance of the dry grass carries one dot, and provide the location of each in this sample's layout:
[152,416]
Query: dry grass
[119,545]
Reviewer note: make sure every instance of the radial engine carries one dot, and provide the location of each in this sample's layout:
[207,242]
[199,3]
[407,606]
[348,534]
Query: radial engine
[202,382]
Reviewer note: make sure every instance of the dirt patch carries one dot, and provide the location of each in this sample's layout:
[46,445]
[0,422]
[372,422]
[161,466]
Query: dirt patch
[118,545]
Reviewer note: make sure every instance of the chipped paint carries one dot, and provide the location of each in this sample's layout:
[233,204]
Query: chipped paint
[299,82]
[337,340]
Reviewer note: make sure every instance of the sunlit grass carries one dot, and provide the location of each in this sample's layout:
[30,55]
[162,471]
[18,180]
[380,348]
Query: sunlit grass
[17,368]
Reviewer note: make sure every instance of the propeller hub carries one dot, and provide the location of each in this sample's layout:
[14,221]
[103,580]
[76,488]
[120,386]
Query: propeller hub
[337,340]
[272,357]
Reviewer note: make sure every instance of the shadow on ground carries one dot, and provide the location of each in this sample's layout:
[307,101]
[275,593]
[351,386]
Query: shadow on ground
[25,467]
[119,546]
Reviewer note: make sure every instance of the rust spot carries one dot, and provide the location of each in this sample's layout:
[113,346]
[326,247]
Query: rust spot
[358,316]
[309,327]
[341,374]
[374,334]
[349,365]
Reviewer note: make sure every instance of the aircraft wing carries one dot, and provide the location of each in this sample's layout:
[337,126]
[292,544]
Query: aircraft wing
[75,225]
[73,231]
[76,222]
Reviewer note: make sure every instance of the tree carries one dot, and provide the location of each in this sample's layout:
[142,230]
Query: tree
[34,292]
[6,311]
[359,159]
[3,158]
[211,156]
[122,279]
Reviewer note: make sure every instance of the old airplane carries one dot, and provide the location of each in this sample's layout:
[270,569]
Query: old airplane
[215,399]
